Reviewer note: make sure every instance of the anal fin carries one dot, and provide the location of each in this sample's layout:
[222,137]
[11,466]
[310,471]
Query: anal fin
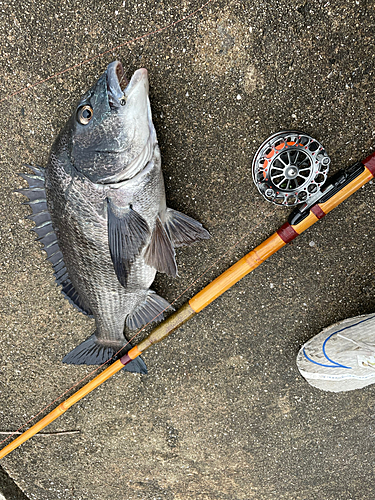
[150,310]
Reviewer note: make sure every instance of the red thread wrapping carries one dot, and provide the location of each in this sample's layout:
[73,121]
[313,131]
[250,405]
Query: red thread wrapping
[125,359]
[317,211]
[287,233]
[369,163]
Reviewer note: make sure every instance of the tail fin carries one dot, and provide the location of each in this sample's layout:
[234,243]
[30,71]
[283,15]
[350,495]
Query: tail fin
[92,353]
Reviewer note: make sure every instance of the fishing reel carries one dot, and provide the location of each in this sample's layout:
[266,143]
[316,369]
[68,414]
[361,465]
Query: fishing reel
[290,168]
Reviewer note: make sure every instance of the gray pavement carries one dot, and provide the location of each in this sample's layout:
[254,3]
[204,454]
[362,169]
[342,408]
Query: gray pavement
[223,413]
[8,489]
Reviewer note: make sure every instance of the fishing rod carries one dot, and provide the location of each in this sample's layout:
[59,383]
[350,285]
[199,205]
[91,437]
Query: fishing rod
[290,168]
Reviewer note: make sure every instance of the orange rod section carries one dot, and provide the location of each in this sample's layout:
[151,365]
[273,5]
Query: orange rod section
[236,272]
[347,191]
[333,202]
[134,353]
[102,377]
[306,223]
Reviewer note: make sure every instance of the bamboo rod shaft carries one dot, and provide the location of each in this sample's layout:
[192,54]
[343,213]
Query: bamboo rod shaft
[93,384]
[235,273]
[270,246]
[160,332]
[347,191]
[202,299]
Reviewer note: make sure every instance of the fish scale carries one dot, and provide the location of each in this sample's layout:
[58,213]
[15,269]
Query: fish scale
[101,214]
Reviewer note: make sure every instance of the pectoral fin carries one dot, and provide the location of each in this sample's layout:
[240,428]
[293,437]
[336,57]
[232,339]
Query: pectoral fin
[160,253]
[127,235]
[184,230]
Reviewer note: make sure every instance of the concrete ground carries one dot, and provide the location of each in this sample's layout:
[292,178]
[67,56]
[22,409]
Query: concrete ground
[223,413]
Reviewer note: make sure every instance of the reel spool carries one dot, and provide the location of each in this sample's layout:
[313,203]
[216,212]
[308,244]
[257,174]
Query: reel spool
[290,167]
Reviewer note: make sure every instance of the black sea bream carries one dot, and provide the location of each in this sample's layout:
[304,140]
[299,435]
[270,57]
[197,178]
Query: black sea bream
[100,211]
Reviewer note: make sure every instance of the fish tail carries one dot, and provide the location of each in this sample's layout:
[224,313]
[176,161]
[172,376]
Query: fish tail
[90,352]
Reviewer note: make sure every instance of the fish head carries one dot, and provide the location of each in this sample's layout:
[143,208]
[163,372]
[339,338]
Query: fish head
[111,130]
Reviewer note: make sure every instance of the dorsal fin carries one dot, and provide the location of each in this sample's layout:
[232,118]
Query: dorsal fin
[45,234]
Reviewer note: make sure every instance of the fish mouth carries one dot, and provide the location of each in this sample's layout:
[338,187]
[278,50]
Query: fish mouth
[119,87]
[116,84]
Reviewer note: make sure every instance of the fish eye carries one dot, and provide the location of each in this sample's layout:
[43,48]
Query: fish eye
[84,114]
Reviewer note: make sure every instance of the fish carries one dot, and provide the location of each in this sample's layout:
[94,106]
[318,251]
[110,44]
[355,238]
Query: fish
[99,208]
